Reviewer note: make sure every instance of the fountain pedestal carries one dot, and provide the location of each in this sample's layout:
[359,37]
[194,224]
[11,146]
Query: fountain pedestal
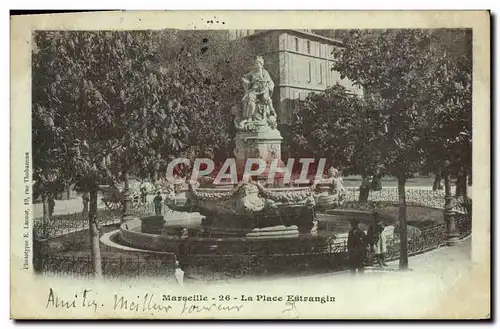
[264,143]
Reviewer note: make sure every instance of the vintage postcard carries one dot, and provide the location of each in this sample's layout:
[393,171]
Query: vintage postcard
[250,165]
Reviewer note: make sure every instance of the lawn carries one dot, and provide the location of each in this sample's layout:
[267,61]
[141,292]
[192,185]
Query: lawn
[76,243]
[355,181]
[102,214]
[416,216]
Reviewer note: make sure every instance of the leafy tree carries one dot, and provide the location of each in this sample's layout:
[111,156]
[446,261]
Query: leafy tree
[47,177]
[101,93]
[207,68]
[398,68]
[112,103]
[323,126]
[450,136]
[338,126]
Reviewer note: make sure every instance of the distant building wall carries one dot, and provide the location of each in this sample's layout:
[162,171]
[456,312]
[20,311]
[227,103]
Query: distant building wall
[299,63]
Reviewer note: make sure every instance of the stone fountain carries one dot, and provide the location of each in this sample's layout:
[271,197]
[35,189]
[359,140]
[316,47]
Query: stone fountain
[257,208]
[254,222]
[253,216]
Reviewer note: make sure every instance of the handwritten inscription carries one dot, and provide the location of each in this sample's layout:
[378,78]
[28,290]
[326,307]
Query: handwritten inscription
[145,304]
[84,300]
[172,305]
[199,308]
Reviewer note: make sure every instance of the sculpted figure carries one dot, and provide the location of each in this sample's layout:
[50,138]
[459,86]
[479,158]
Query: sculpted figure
[248,199]
[336,179]
[332,173]
[258,87]
[331,190]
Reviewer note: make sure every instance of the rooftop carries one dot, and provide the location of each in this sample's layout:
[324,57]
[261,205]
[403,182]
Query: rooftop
[299,32]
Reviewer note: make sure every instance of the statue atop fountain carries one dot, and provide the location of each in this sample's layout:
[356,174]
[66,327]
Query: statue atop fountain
[255,120]
[257,111]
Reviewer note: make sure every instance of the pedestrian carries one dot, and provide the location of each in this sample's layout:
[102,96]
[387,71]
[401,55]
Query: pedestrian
[158,203]
[144,193]
[356,248]
[436,185]
[52,203]
[85,200]
[376,183]
[179,273]
[364,189]
[182,246]
[377,239]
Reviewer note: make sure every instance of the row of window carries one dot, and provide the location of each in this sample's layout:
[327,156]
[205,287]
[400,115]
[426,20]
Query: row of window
[265,44]
[312,48]
[319,72]
[310,71]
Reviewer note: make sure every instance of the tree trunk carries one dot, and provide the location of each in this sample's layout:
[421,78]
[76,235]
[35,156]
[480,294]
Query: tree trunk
[94,235]
[461,189]
[45,218]
[403,231]
[51,204]
[37,252]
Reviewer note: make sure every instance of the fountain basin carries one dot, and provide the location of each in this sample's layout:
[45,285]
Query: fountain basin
[241,209]
[329,228]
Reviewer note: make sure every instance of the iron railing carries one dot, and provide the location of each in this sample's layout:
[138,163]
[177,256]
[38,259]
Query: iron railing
[227,261]
[119,267]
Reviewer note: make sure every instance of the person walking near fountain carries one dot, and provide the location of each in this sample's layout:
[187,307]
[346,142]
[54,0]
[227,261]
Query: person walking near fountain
[179,273]
[377,239]
[376,183]
[356,248]
[364,188]
[157,201]
[144,193]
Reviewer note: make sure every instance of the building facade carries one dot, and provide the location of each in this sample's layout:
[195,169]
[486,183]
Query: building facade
[299,62]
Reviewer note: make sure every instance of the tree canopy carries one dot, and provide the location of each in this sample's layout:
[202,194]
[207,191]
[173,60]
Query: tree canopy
[416,112]
[326,126]
[394,67]
[419,87]
[450,136]
[109,102]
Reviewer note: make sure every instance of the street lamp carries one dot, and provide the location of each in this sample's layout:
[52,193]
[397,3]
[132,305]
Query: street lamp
[449,214]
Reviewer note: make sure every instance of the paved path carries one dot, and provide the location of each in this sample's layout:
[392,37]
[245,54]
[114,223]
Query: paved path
[418,292]
[437,262]
[62,207]
[75,205]
[70,206]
